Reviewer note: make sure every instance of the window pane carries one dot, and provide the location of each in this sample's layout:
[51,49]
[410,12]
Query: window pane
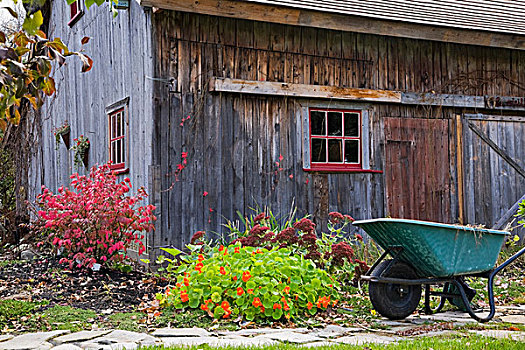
[114,125]
[351,151]
[318,123]
[352,124]
[112,146]
[118,160]
[335,151]
[318,150]
[335,124]
[117,116]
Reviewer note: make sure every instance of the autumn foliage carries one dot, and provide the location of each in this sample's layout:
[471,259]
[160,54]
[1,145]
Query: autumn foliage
[96,220]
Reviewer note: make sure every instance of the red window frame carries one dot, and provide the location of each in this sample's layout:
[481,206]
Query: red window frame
[336,166]
[118,145]
[76,12]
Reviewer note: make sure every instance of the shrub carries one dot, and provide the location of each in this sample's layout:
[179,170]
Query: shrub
[96,221]
[331,251]
[250,282]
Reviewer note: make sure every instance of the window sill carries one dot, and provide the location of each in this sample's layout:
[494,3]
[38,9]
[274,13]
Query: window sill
[119,170]
[342,170]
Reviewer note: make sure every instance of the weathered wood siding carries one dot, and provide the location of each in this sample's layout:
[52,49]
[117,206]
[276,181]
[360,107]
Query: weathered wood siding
[233,141]
[121,49]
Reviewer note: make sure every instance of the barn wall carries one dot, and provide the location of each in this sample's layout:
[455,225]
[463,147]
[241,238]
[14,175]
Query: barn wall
[121,49]
[233,141]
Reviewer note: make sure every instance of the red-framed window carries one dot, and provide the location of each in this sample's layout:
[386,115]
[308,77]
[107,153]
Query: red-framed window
[118,143]
[76,12]
[335,139]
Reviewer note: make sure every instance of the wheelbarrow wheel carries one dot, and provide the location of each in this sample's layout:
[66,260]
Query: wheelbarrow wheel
[394,301]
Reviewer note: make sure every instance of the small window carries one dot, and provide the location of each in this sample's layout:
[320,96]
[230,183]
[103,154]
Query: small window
[118,136]
[335,139]
[76,12]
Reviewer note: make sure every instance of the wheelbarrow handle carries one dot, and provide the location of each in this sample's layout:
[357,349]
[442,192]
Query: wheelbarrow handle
[490,288]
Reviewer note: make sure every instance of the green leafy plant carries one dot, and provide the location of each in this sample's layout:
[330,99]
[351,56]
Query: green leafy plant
[60,132]
[250,282]
[80,149]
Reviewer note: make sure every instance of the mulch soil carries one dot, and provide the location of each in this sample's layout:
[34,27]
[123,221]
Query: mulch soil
[101,291]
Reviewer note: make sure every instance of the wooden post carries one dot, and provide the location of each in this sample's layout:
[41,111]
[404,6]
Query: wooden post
[459,162]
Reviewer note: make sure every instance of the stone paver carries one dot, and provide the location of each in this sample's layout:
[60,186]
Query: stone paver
[180,332]
[78,337]
[493,333]
[292,337]
[5,337]
[307,338]
[520,319]
[31,341]
[67,347]
[365,338]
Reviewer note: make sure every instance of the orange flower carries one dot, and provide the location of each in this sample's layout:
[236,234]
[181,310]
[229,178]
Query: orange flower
[309,306]
[221,248]
[178,285]
[225,252]
[240,291]
[262,309]
[246,276]
[237,250]
[222,270]
[256,302]
[186,282]
[258,251]
[184,296]
[204,307]
[277,306]
[225,305]
[335,302]
[235,278]
[287,316]
[249,291]
[286,290]
[199,267]
[201,257]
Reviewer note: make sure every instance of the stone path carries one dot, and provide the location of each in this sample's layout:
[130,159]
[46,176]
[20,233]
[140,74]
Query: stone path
[390,331]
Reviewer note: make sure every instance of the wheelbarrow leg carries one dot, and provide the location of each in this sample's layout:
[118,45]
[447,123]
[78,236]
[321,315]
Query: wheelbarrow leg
[428,309]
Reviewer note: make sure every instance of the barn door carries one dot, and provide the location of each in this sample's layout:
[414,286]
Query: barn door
[494,167]
[417,169]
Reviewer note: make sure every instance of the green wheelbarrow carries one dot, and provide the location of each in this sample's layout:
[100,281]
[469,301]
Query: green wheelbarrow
[428,253]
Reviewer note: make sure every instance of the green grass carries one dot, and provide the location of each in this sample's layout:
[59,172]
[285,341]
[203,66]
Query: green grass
[4,263]
[14,310]
[61,317]
[128,321]
[473,342]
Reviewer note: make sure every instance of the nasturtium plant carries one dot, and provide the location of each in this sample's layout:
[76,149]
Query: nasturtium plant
[248,282]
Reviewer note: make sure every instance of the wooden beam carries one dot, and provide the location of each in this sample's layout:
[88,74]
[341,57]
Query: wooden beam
[496,118]
[302,90]
[445,100]
[334,92]
[506,217]
[496,148]
[309,18]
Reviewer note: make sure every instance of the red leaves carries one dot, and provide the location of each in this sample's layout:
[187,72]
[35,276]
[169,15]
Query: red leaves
[96,220]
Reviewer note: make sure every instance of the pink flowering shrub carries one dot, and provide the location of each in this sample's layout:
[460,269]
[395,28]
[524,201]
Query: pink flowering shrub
[94,221]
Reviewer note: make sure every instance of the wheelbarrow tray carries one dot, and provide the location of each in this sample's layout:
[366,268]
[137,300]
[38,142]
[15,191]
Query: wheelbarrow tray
[435,249]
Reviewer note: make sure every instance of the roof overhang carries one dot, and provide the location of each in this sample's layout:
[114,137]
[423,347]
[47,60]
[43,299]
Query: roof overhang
[309,18]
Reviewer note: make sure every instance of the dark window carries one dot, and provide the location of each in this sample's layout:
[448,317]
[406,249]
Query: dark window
[335,139]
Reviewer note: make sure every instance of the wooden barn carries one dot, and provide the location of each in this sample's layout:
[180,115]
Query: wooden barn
[371,108]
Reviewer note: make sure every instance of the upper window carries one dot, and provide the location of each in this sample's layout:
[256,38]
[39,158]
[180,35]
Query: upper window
[118,136]
[76,12]
[335,139]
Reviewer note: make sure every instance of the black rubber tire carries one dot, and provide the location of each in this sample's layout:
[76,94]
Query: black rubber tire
[394,301]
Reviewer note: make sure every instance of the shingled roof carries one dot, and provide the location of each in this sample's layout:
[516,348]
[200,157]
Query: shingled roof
[503,16]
